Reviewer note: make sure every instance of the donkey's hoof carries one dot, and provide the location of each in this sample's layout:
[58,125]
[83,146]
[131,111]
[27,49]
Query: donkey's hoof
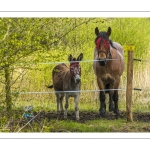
[61,112]
[65,117]
[77,119]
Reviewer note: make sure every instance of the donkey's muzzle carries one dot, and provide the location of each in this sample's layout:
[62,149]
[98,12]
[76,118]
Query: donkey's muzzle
[102,62]
[78,80]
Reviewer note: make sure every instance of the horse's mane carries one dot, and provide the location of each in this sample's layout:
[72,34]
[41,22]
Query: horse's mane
[105,36]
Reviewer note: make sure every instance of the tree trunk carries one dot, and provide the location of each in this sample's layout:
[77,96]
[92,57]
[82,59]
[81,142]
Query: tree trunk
[8,91]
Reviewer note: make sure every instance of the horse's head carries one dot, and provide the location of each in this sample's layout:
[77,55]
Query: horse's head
[102,45]
[75,69]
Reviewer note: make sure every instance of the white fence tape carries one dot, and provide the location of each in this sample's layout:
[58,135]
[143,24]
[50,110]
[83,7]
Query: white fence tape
[75,61]
[81,91]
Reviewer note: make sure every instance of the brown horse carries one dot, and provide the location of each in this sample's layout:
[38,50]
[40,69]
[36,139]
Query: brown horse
[108,67]
[67,82]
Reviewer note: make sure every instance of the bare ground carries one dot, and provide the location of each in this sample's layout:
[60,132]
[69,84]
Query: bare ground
[88,116]
[142,118]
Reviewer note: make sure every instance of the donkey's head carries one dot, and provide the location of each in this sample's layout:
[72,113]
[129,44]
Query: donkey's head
[75,69]
[102,45]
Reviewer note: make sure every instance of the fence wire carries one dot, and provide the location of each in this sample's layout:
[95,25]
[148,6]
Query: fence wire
[76,61]
[84,91]
[81,91]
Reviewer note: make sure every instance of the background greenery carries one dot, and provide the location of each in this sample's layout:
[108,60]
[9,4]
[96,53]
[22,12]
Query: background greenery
[28,46]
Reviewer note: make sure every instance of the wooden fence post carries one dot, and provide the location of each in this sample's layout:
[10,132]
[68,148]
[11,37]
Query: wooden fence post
[129,86]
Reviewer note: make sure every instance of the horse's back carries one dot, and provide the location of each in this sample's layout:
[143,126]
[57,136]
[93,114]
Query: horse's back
[58,73]
[119,48]
[120,56]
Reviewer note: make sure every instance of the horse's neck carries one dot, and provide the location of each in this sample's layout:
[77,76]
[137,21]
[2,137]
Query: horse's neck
[118,50]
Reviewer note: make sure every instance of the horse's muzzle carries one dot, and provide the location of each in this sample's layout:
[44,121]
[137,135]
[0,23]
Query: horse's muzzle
[102,62]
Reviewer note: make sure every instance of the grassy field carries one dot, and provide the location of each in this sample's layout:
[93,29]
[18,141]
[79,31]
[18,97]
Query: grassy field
[34,76]
[44,105]
[46,120]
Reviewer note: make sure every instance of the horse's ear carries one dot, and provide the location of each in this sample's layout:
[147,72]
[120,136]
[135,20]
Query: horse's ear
[70,57]
[80,57]
[109,31]
[96,31]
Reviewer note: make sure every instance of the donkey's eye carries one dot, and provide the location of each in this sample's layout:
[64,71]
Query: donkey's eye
[71,69]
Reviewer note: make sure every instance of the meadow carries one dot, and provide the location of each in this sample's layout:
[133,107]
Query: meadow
[30,75]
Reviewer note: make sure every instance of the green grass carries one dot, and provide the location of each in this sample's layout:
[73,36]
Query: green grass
[90,126]
[47,121]
[94,126]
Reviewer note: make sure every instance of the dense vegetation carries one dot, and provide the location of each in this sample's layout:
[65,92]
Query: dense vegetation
[30,46]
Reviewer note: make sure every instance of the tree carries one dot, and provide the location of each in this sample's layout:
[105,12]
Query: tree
[21,37]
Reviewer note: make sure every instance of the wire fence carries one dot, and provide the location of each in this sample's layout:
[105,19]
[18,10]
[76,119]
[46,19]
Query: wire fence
[81,91]
[141,60]
[76,61]
[84,91]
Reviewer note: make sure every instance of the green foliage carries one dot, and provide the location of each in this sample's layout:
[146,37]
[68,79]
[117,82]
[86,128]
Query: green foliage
[132,31]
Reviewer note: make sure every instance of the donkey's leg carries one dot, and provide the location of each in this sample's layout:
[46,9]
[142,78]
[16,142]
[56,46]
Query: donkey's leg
[66,106]
[58,101]
[102,109]
[76,99]
[61,104]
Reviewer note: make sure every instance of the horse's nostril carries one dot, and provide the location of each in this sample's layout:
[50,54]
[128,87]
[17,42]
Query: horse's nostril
[102,62]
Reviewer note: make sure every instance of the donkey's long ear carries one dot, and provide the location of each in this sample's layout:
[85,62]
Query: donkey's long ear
[96,31]
[109,31]
[80,57]
[70,58]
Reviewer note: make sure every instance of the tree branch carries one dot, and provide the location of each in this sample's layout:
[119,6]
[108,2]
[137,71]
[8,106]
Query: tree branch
[85,22]
[6,34]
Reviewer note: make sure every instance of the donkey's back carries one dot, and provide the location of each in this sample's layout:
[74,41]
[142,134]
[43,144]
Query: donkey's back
[58,74]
